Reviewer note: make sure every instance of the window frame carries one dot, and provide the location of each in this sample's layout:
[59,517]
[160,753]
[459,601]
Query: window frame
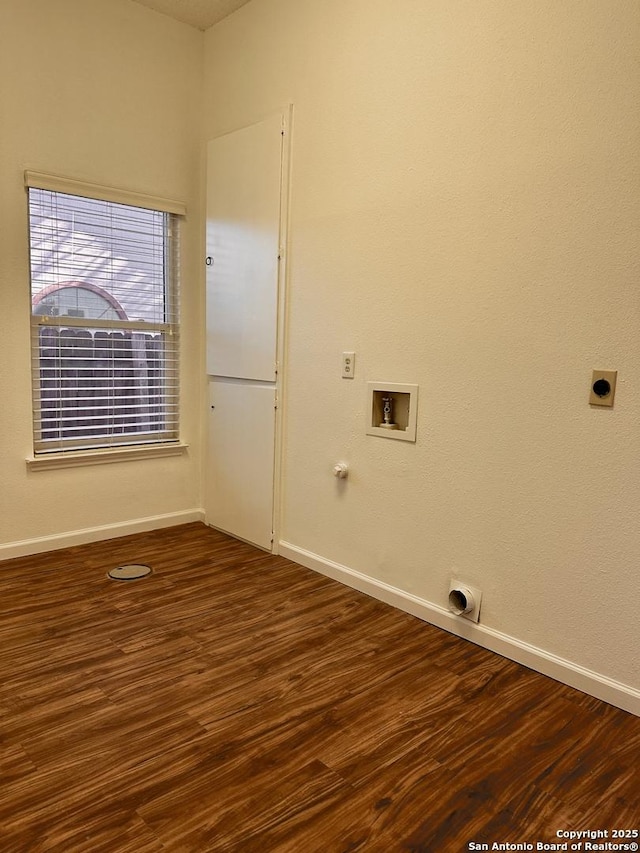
[114,447]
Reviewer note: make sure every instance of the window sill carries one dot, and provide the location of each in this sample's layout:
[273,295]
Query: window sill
[106,456]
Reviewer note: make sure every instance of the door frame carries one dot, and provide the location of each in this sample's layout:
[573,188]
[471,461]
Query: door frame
[281,333]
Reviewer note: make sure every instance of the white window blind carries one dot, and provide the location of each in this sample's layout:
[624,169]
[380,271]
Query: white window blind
[104,319]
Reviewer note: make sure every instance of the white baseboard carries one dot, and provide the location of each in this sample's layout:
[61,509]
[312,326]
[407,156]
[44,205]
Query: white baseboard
[27,547]
[614,692]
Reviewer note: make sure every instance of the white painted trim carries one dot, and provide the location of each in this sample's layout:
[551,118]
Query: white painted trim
[70,186]
[26,547]
[281,339]
[594,683]
[104,456]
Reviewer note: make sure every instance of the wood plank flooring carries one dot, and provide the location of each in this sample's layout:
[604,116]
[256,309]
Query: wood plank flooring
[234,701]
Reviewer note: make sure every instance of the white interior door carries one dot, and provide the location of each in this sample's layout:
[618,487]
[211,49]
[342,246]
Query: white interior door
[244,175]
[239,483]
[244,190]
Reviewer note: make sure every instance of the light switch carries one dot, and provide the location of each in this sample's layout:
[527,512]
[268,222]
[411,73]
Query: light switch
[348,365]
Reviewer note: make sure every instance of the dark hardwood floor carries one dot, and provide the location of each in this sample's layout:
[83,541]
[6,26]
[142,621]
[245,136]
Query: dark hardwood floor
[233,701]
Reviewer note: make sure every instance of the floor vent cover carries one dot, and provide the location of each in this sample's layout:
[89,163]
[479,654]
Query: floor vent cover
[129,573]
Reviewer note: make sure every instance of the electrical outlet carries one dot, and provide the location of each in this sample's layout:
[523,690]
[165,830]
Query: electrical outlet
[603,387]
[348,365]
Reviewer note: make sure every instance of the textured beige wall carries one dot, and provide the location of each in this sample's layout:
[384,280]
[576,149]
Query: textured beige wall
[110,93]
[464,216]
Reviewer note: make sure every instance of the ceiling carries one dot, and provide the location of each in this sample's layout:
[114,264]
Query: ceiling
[198,13]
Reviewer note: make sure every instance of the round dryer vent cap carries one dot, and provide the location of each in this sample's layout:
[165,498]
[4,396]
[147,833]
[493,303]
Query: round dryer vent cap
[129,573]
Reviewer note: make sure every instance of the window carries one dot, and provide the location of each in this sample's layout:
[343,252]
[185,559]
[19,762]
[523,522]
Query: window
[104,317]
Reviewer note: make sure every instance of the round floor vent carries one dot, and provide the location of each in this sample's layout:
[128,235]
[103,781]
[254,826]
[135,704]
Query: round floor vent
[129,573]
